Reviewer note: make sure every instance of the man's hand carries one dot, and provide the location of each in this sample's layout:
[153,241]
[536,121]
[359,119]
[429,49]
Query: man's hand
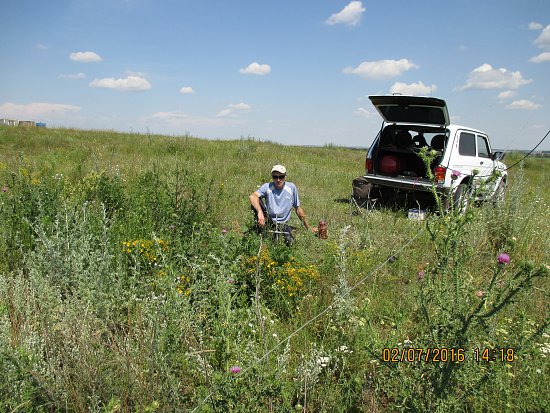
[261,218]
[255,202]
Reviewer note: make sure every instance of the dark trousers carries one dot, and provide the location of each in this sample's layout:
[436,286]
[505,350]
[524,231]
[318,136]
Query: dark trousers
[278,230]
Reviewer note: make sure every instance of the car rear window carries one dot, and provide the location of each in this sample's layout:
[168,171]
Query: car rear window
[412,114]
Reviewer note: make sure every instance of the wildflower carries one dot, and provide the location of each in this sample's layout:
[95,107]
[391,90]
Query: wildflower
[344,349]
[421,274]
[4,189]
[323,361]
[230,280]
[224,231]
[455,174]
[235,370]
[545,349]
[503,258]
[479,293]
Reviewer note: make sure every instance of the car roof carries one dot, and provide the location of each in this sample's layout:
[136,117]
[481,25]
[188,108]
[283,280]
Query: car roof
[425,110]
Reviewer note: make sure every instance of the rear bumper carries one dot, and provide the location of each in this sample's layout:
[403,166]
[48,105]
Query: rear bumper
[403,183]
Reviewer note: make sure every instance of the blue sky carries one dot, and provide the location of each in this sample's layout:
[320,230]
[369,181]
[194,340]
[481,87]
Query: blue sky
[295,72]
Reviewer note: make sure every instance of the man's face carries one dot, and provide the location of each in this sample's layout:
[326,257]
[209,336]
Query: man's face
[278,179]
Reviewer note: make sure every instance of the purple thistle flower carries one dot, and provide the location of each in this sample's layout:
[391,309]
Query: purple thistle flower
[421,274]
[4,189]
[455,174]
[224,231]
[235,370]
[503,258]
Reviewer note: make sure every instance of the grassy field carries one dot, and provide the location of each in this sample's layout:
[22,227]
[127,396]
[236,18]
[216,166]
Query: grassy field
[130,282]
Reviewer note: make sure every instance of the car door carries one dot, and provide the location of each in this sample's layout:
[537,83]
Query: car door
[473,156]
[484,157]
[487,166]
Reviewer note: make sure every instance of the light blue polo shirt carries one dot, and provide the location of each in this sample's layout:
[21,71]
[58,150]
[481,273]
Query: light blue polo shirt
[279,202]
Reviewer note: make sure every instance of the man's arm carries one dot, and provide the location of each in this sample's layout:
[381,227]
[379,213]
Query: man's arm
[255,202]
[302,215]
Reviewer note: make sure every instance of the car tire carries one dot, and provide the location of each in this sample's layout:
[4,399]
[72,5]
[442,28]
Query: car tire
[461,198]
[499,196]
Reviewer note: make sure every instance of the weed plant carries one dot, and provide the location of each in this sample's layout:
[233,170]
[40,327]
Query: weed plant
[130,282]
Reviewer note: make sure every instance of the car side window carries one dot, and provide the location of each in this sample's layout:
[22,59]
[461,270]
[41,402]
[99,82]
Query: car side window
[482,147]
[467,144]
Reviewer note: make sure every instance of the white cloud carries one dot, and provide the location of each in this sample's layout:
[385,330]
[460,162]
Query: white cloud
[535,26]
[187,90]
[255,69]
[418,89]
[485,77]
[241,106]
[178,119]
[381,69]
[37,110]
[363,112]
[523,104]
[350,15]
[85,57]
[543,57]
[233,110]
[131,83]
[170,116]
[543,41]
[41,46]
[507,94]
[73,76]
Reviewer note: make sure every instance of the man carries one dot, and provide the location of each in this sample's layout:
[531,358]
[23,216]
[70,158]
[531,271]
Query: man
[280,197]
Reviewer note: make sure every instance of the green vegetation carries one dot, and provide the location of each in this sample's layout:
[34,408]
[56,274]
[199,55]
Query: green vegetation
[129,281]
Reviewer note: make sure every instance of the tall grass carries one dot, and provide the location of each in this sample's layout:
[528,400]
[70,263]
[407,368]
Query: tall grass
[130,282]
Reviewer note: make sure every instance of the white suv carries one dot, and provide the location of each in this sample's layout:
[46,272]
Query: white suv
[463,163]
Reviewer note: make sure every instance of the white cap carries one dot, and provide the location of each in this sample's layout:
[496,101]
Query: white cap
[278,168]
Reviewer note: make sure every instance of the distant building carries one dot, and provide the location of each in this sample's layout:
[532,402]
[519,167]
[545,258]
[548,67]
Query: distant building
[25,123]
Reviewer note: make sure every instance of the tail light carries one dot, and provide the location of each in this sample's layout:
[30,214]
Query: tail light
[440,173]
[368,165]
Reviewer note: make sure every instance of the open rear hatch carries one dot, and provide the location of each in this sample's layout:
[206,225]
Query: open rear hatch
[412,109]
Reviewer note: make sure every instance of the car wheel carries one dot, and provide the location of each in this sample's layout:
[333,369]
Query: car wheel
[461,197]
[500,193]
